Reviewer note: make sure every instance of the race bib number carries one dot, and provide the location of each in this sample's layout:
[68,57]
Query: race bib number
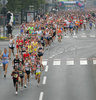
[20,43]
[20,72]
[16,75]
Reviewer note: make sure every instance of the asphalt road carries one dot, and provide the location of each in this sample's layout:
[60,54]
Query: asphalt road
[69,74]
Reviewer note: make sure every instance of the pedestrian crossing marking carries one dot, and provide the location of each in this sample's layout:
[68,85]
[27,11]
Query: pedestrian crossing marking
[66,36]
[84,36]
[83,61]
[94,61]
[74,36]
[44,62]
[70,61]
[92,35]
[56,62]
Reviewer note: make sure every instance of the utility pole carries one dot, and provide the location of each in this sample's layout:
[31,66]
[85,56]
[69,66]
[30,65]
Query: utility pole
[4,18]
[34,10]
[21,16]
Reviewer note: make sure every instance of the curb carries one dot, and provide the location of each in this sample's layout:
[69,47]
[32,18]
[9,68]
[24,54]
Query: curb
[4,39]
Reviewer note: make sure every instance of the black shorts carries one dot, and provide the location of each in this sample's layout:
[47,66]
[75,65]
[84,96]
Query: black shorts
[71,27]
[40,54]
[21,46]
[11,47]
[15,80]
[27,72]
[43,44]
[76,26]
[65,27]
[22,76]
[48,39]
[54,34]
[39,41]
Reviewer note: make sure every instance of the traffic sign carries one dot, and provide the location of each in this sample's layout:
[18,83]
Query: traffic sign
[4,2]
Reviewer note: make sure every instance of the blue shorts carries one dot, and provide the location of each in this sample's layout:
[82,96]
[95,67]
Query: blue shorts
[29,53]
[91,25]
[21,31]
[4,63]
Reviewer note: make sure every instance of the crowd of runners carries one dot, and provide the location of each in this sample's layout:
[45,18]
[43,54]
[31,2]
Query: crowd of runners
[37,36]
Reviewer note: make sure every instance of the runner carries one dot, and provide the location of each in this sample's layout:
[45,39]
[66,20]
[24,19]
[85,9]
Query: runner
[35,46]
[38,70]
[27,64]
[5,57]
[30,48]
[21,70]
[84,23]
[30,29]
[71,27]
[15,74]
[17,43]
[20,43]
[11,46]
[59,34]
[77,25]
[15,62]
[33,59]
[90,24]
[21,29]
[40,52]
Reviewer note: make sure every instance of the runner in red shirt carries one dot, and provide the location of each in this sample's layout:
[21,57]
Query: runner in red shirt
[65,27]
[26,43]
[26,55]
[20,43]
[17,44]
[81,23]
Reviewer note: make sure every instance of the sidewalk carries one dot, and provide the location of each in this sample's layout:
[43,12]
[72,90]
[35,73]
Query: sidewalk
[4,38]
[16,26]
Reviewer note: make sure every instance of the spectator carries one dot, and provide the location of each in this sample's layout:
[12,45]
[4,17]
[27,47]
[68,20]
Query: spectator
[8,17]
[6,30]
[9,30]
[14,21]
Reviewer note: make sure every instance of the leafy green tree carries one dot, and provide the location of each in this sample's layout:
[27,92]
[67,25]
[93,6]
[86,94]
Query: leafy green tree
[18,5]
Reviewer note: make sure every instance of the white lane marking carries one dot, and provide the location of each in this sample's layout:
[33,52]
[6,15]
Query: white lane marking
[44,62]
[92,35]
[44,80]
[41,96]
[46,69]
[66,36]
[84,36]
[70,61]
[56,62]
[94,61]
[75,36]
[83,61]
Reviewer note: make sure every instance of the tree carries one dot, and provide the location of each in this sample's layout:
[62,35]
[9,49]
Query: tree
[18,5]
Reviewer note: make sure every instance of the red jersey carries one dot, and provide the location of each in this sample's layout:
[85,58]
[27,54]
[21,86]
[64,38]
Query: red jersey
[20,42]
[65,24]
[25,55]
[26,42]
[81,21]
[17,42]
